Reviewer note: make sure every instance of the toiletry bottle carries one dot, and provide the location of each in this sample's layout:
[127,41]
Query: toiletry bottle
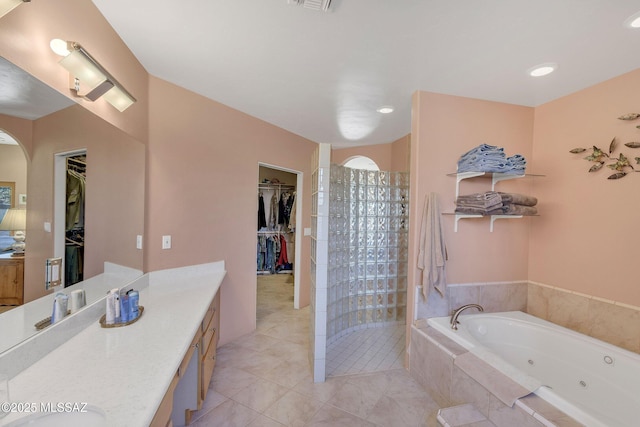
[125,312]
[116,305]
[110,316]
[133,303]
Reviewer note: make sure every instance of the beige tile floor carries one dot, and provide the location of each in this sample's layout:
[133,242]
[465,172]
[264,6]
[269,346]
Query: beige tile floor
[366,351]
[264,379]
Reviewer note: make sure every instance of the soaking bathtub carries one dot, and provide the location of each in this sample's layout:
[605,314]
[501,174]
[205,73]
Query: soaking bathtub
[595,383]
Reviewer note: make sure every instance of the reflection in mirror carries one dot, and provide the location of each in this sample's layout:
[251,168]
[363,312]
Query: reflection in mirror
[45,124]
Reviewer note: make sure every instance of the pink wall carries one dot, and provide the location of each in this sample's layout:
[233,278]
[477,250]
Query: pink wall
[393,157]
[21,130]
[401,154]
[202,188]
[114,208]
[444,127]
[13,168]
[586,239]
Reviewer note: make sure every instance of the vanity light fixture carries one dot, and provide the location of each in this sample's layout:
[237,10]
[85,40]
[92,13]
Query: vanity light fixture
[7,6]
[542,69]
[88,72]
[385,109]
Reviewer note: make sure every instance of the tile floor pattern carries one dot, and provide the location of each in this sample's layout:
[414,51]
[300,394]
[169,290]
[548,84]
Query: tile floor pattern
[264,379]
[367,350]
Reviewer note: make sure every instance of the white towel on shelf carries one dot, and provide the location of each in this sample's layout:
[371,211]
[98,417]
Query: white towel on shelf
[433,252]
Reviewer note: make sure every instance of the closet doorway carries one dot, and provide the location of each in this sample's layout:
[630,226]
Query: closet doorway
[278,239]
[70,171]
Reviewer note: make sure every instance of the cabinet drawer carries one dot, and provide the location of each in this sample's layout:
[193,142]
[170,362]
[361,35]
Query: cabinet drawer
[211,311]
[208,339]
[187,357]
[208,363]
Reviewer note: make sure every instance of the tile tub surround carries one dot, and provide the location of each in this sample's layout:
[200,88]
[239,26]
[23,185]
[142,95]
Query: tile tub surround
[126,371]
[492,296]
[610,321]
[432,366]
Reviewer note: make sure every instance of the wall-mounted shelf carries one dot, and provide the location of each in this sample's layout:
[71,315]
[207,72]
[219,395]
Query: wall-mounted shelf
[493,218]
[495,178]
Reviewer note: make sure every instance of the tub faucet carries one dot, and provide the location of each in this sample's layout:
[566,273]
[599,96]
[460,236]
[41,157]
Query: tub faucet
[456,313]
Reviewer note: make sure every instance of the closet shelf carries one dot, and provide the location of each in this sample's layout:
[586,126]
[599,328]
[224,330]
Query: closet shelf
[267,232]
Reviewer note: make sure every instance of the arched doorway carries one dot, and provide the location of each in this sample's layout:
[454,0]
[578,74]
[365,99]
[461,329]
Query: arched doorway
[13,200]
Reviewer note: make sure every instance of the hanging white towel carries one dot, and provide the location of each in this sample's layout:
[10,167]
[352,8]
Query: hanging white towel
[433,252]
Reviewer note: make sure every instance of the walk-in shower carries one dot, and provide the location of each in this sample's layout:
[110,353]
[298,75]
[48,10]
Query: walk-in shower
[367,245]
[359,252]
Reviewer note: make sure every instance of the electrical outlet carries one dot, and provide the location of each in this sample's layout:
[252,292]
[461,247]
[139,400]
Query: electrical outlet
[166,242]
[138,241]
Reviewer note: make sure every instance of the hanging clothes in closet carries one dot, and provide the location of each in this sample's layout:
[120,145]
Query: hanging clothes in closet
[271,249]
[273,213]
[284,211]
[292,216]
[262,221]
[271,254]
[268,253]
[74,224]
[283,261]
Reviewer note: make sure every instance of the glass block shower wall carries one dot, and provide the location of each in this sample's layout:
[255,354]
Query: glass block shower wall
[368,247]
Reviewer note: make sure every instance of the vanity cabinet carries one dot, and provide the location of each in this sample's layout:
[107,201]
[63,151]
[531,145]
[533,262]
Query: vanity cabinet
[163,414]
[210,336]
[11,280]
[195,371]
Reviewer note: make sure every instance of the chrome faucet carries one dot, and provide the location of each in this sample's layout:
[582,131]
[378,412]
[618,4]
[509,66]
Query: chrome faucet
[456,313]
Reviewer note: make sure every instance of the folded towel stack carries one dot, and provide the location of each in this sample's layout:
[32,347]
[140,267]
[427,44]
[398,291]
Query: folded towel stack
[489,158]
[495,203]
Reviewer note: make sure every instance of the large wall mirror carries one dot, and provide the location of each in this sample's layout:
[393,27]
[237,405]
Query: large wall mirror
[47,125]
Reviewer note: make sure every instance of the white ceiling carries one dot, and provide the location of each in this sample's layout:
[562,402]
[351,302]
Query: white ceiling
[323,75]
[24,96]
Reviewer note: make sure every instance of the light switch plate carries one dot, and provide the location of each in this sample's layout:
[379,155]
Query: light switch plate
[53,272]
[166,242]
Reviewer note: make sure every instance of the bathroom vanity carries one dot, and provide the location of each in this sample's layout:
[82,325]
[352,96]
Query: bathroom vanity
[132,375]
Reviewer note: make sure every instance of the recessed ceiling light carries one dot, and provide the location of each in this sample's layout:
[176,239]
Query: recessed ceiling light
[633,21]
[386,109]
[542,69]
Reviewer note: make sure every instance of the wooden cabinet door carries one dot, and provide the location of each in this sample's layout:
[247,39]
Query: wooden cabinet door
[11,281]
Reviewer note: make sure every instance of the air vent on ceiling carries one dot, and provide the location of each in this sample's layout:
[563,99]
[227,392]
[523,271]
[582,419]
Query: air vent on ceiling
[313,4]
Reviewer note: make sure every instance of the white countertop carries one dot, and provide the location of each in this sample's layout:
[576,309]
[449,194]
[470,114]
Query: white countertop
[126,371]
